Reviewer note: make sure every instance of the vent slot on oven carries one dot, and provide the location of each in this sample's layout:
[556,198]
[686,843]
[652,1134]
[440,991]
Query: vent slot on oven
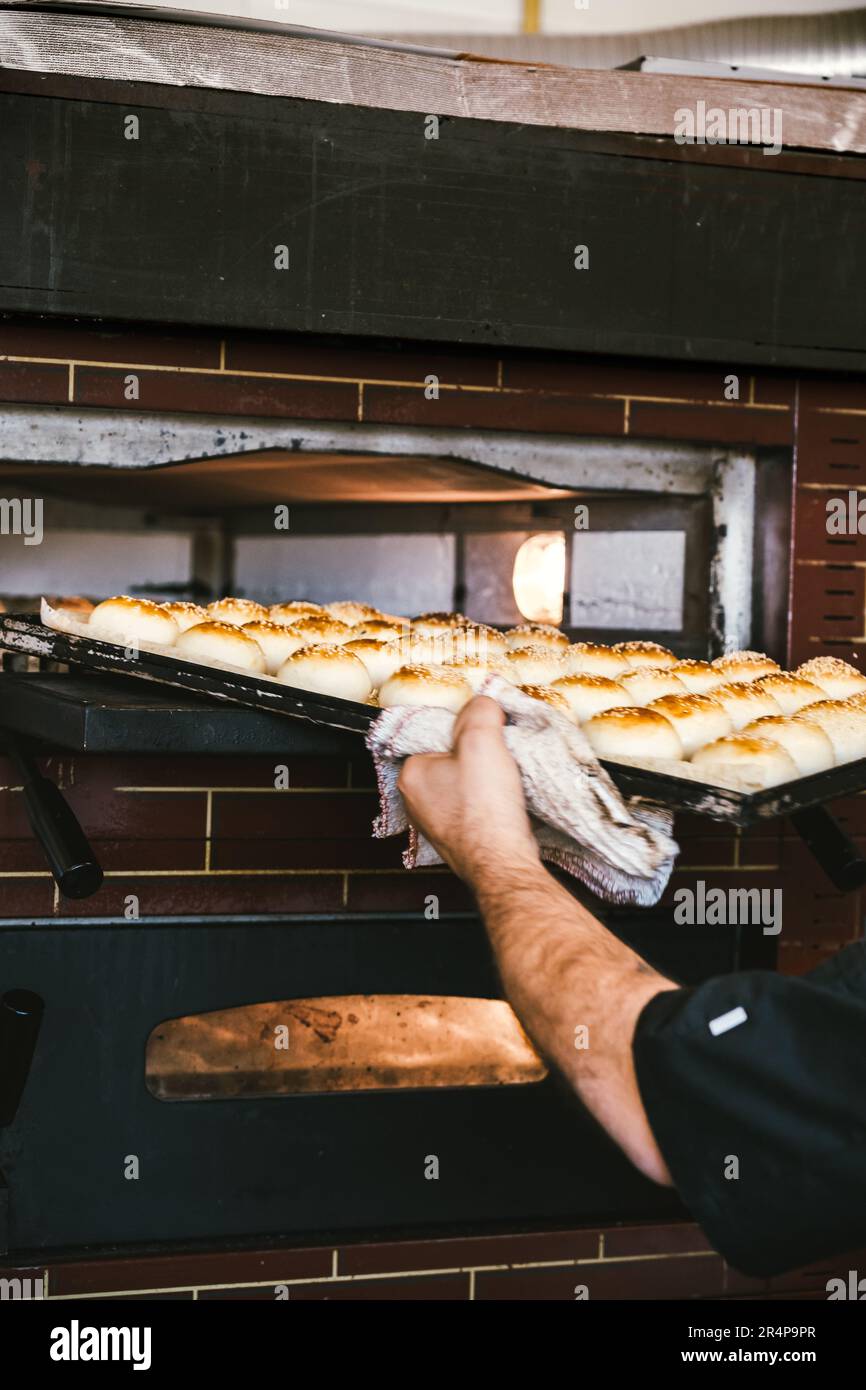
[350,1042]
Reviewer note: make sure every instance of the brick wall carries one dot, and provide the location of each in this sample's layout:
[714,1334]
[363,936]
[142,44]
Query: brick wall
[211,835]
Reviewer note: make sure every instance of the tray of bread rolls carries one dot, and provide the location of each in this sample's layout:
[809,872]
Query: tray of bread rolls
[736,739]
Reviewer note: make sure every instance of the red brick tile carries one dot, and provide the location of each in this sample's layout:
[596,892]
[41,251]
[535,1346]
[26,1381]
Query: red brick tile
[224,395]
[813,910]
[804,647]
[761,845]
[14,824]
[829,601]
[182,1270]
[435,1287]
[115,815]
[831,449]
[587,376]
[706,850]
[726,424]
[678,1238]
[115,343]
[27,897]
[493,410]
[774,390]
[322,852]
[22,856]
[116,770]
[812,541]
[849,811]
[838,394]
[468,1252]
[302,356]
[684,1276]
[794,959]
[212,896]
[407,891]
[30,383]
[130,856]
[299,814]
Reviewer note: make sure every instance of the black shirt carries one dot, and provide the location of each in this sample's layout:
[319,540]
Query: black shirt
[755,1089]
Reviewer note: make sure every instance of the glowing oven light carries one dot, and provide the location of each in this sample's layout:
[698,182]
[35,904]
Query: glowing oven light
[539,577]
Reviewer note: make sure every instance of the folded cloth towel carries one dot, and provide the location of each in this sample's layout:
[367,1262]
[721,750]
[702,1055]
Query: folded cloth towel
[621,849]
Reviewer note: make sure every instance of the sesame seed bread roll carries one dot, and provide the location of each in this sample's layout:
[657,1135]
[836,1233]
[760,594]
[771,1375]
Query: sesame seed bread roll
[346,610]
[645,654]
[383,629]
[277,641]
[753,762]
[836,678]
[479,640]
[224,642]
[476,671]
[533,665]
[650,683]
[630,732]
[289,613]
[745,666]
[432,624]
[426,686]
[324,631]
[185,614]
[745,702]
[843,723]
[236,611]
[548,696]
[698,719]
[791,693]
[698,677]
[587,695]
[73,604]
[806,744]
[327,670]
[592,659]
[536,635]
[381,659]
[124,619]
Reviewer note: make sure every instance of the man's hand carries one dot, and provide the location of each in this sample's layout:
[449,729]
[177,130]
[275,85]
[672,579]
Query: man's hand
[469,802]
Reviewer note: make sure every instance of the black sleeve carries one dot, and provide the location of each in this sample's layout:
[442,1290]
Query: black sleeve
[755,1088]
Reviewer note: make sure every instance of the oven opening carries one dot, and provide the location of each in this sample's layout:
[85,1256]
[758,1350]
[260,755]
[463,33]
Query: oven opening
[349,1042]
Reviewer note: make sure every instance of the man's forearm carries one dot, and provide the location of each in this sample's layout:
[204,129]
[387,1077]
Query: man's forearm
[578,991]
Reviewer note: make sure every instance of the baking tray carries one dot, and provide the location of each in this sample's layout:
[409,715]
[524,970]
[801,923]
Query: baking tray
[24,633]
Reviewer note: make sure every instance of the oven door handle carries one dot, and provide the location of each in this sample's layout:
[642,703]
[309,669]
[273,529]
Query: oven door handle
[76,870]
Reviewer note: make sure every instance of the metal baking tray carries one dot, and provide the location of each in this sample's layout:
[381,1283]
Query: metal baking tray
[24,633]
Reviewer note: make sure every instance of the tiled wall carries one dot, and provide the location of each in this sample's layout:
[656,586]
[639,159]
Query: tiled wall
[211,835]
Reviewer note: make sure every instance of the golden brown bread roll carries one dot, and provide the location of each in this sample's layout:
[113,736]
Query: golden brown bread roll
[426,685]
[697,719]
[126,620]
[433,624]
[648,683]
[475,670]
[290,612]
[276,641]
[744,666]
[699,677]
[382,629]
[237,611]
[548,696]
[185,614]
[645,653]
[536,635]
[836,678]
[843,723]
[632,732]
[791,693]
[593,659]
[587,695]
[533,665]
[324,631]
[327,670]
[223,642]
[76,606]
[745,701]
[348,611]
[737,760]
[381,659]
[806,744]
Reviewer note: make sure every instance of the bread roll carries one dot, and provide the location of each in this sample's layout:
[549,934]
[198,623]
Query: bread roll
[630,732]
[276,641]
[698,719]
[699,677]
[592,659]
[426,685]
[806,744]
[475,671]
[741,761]
[289,613]
[791,693]
[346,610]
[548,696]
[125,620]
[224,642]
[327,670]
[533,665]
[645,654]
[382,629]
[185,614]
[587,695]
[431,624]
[479,640]
[381,659]
[836,678]
[76,606]
[650,683]
[745,702]
[237,611]
[536,635]
[324,631]
[744,666]
[843,723]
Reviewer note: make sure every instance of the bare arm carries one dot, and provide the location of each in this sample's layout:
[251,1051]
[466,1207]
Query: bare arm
[562,970]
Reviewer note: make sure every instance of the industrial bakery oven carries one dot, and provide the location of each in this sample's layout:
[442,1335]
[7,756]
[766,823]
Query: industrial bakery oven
[137,1106]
